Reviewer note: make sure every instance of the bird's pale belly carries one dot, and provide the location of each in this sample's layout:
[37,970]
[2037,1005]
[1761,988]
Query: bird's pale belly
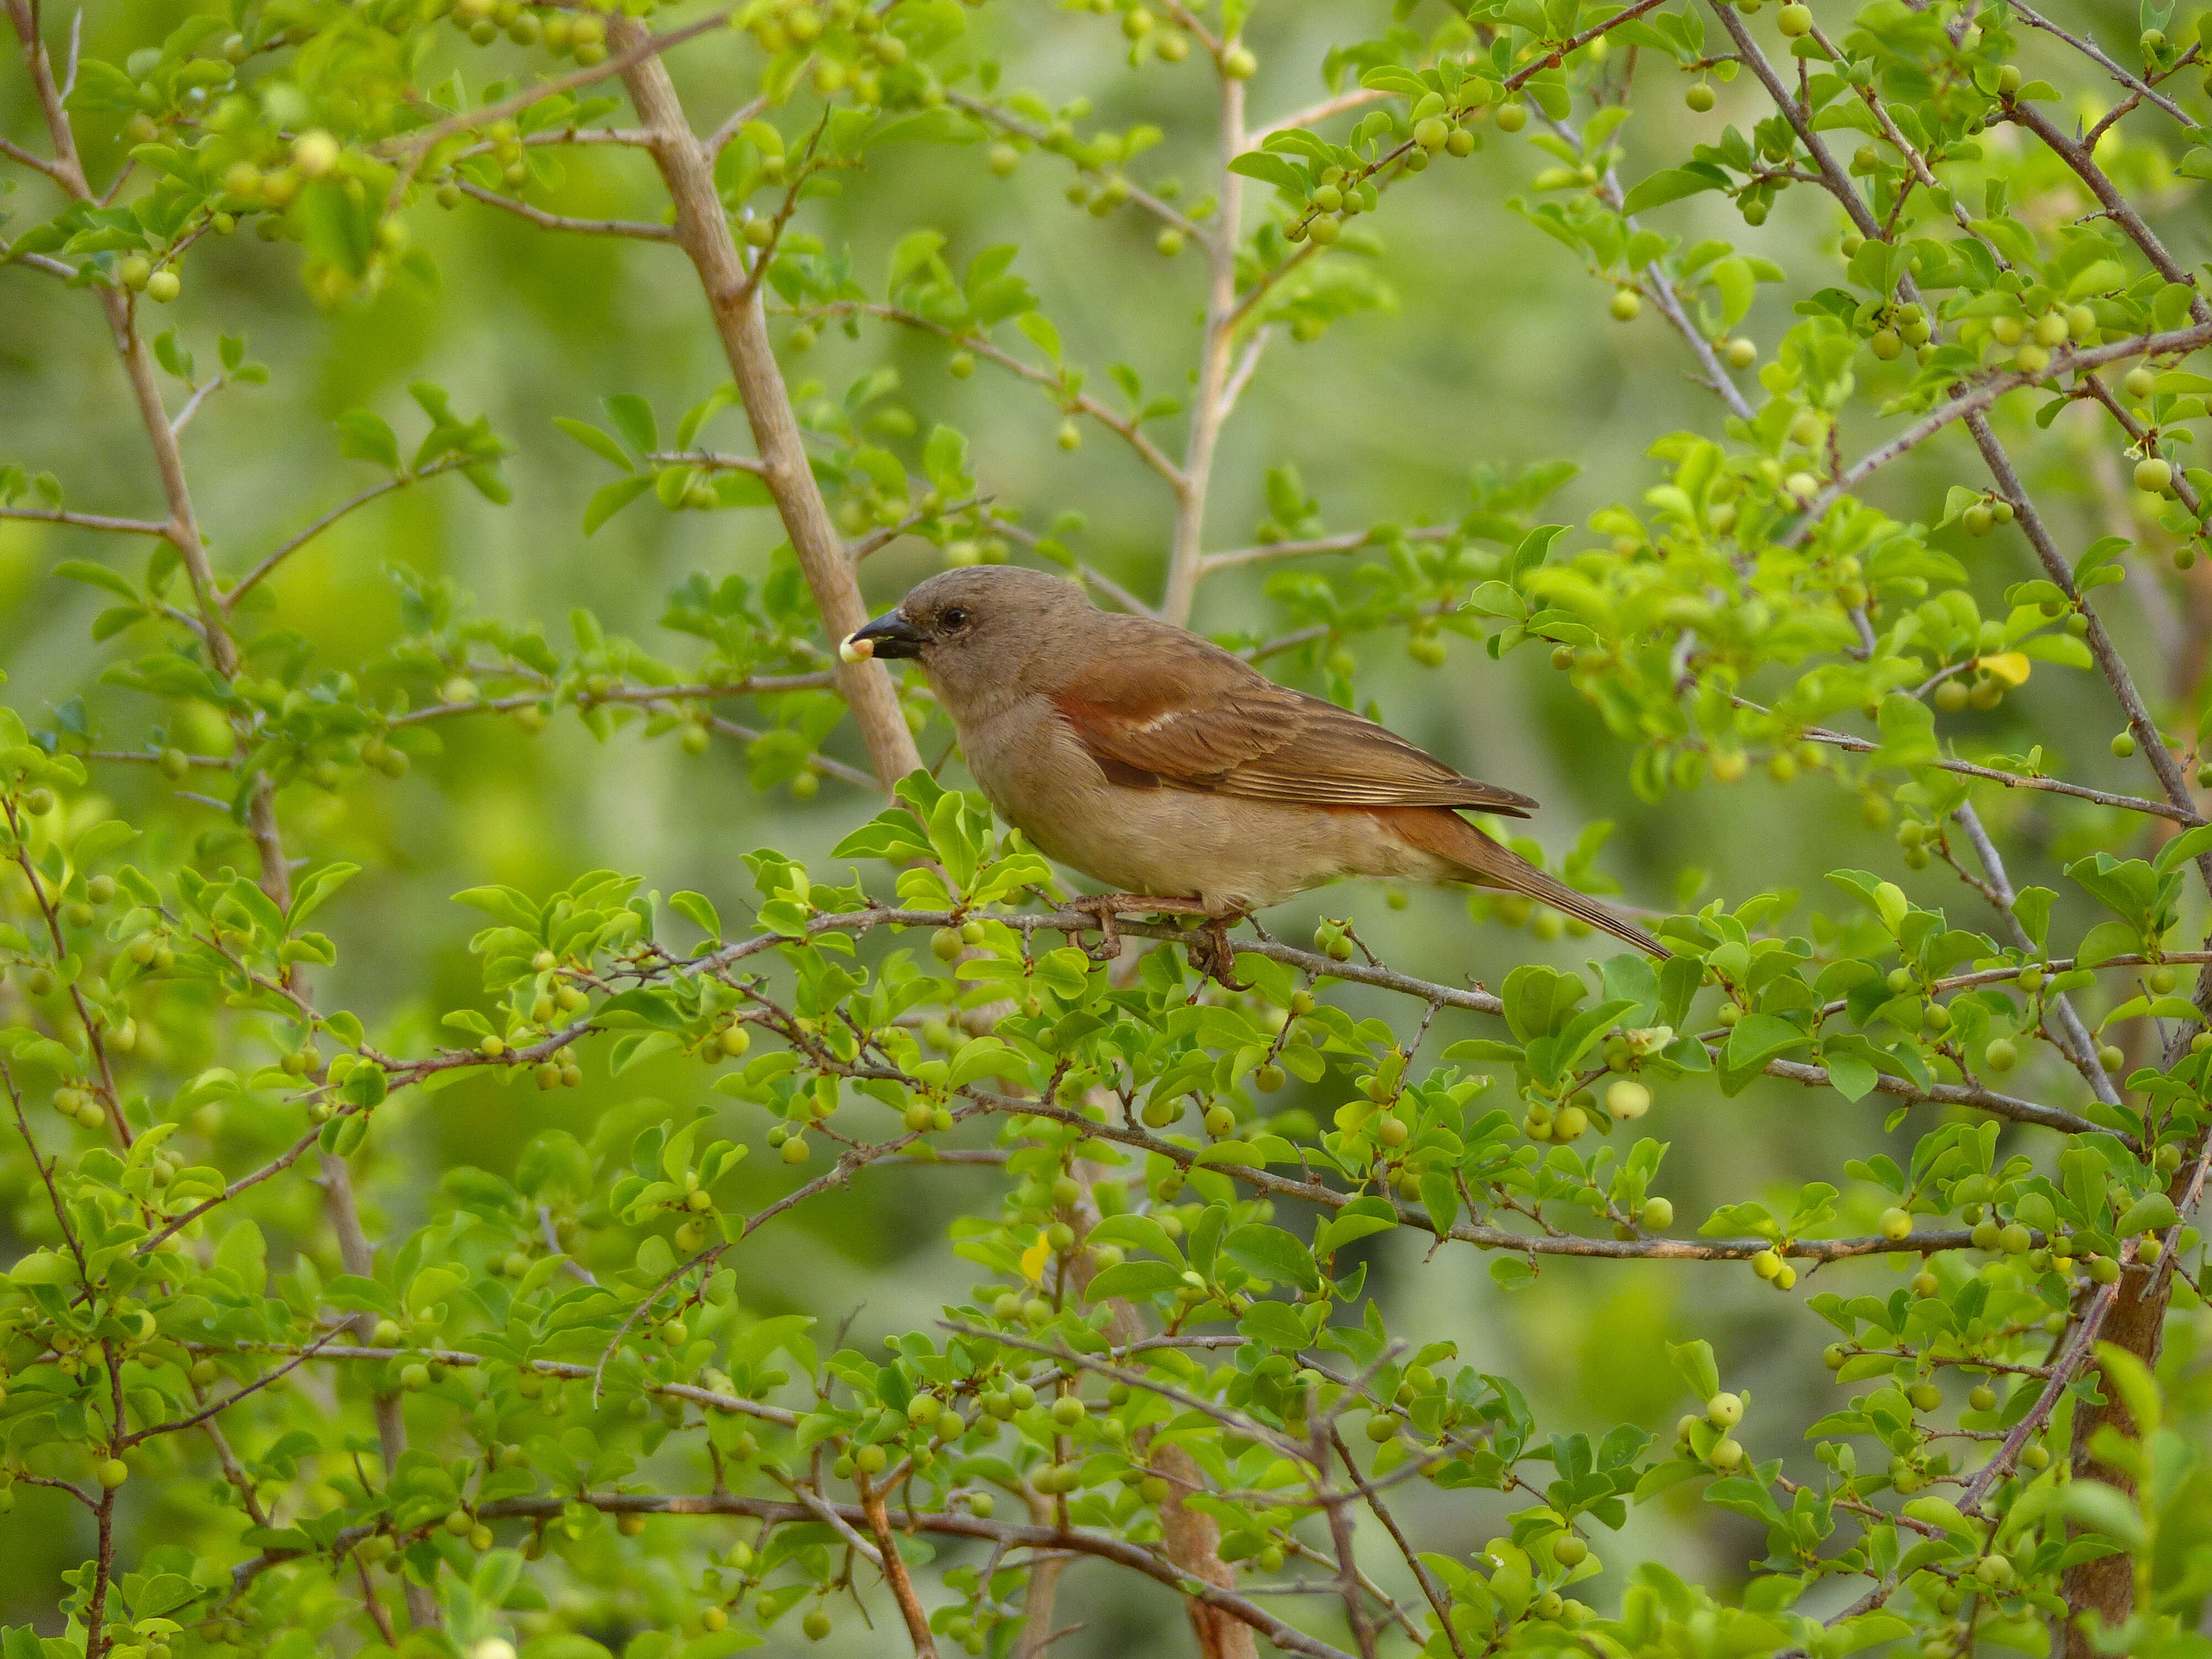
[1233,855]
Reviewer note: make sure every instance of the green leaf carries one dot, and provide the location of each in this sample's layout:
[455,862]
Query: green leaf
[309,895]
[1759,1038]
[914,250]
[1671,186]
[595,441]
[161,1593]
[700,910]
[945,457]
[1440,1198]
[1942,1512]
[563,1645]
[2189,844]
[365,436]
[1141,1230]
[986,1056]
[1694,1360]
[1270,1253]
[97,575]
[1534,549]
[1356,1220]
[610,499]
[503,903]
[2098,278]
[2099,555]
[893,834]
[1134,1278]
[651,1007]
[2101,1509]
[1039,328]
[108,835]
[1274,1324]
[1271,169]
[2152,1213]
[2132,1381]
[1908,730]
[2105,941]
[633,417]
[1851,1076]
[703,411]
[1855,1635]
[45,1267]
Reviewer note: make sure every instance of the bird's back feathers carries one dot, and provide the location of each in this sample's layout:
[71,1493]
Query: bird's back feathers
[1157,707]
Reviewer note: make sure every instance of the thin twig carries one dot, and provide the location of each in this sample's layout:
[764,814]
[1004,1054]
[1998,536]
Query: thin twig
[86,520]
[2090,49]
[635,229]
[400,481]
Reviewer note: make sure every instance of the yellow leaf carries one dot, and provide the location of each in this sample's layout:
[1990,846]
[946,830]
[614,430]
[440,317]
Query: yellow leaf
[1033,1260]
[2010,666]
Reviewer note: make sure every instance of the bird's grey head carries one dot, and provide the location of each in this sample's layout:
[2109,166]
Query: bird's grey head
[981,631]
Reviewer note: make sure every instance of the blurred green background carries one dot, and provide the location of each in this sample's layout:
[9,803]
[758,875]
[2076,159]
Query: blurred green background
[1497,353]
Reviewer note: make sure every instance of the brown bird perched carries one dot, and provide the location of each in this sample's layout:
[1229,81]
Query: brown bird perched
[1155,762]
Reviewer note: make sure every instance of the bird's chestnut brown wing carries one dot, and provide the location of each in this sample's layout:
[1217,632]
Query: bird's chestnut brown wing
[1181,714]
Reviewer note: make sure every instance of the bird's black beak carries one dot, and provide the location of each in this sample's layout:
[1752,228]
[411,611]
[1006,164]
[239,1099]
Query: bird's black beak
[889,635]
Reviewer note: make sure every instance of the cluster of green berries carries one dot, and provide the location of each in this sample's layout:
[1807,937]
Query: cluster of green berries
[563,33]
[1897,328]
[139,275]
[1985,515]
[1333,938]
[2032,339]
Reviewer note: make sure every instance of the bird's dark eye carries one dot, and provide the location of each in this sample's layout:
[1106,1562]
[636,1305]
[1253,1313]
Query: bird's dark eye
[954,617]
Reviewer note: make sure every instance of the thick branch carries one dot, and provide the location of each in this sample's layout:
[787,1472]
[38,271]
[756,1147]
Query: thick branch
[1836,180]
[2120,209]
[2076,1043]
[895,1574]
[735,302]
[2108,658]
[1217,347]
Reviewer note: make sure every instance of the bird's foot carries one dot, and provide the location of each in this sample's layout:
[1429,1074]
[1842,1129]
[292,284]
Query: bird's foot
[1103,907]
[1218,960]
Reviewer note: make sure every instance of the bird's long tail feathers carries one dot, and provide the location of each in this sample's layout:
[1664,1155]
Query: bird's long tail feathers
[1488,864]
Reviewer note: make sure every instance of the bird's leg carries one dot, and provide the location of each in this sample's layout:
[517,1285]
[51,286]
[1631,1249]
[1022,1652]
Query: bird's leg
[1100,909]
[1103,907]
[1221,963]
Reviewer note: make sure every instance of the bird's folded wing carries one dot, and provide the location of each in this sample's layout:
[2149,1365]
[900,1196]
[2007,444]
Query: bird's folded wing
[1198,718]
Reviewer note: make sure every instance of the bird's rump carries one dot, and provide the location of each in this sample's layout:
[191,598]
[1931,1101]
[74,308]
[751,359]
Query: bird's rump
[1183,713]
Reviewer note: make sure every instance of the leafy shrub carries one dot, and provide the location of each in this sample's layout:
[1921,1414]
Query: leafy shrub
[560,1412]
